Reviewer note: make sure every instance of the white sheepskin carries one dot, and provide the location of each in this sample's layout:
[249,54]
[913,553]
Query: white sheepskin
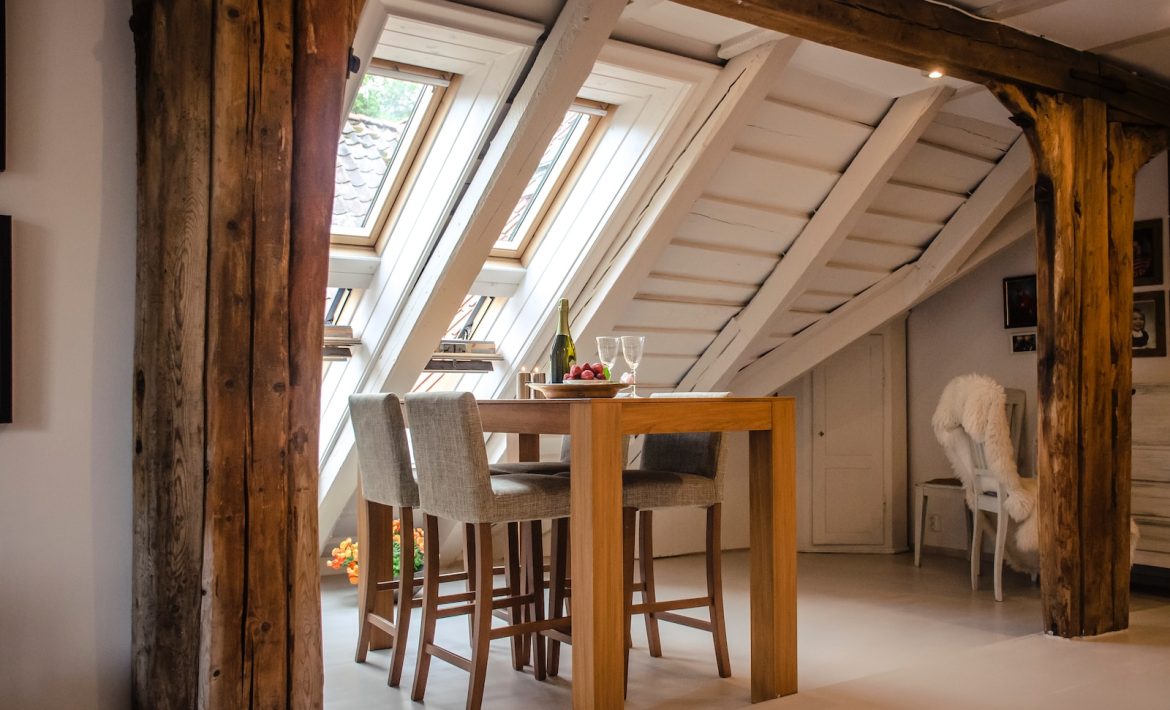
[973,410]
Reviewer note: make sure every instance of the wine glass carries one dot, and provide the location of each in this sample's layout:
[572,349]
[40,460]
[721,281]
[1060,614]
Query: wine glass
[607,352]
[632,352]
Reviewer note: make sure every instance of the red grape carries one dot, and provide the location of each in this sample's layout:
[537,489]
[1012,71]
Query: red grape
[587,374]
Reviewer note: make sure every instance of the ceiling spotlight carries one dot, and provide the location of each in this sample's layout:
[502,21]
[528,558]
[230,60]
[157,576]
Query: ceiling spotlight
[935,74]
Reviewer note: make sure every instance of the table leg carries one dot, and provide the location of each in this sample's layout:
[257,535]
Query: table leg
[772,480]
[597,601]
[529,447]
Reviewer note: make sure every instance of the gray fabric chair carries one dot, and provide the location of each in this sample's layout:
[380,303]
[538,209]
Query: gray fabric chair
[541,467]
[676,471]
[387,483]
[455,483]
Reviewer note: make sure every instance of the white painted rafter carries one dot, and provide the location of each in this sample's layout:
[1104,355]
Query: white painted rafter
[740,88]
[948,257]
[859,185]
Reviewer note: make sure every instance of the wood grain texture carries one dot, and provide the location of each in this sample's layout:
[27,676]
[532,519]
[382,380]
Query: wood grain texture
[1085,168]
[596,555]
[173,58]
[772,507]
[927,35]
[227,372]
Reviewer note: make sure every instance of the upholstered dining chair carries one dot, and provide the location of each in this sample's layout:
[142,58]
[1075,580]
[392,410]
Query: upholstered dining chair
[387,483]
[455,484]
[675,471]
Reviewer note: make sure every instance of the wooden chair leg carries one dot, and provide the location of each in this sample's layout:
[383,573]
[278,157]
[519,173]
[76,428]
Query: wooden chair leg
[430,606]
[1001,523]
[976,550]
[405,597]
[513,578]
[482,616]
[646,565]
[558,573]
[535,548]
[715,589]
[919,522]
[376,539]
[469,566]
[629,517]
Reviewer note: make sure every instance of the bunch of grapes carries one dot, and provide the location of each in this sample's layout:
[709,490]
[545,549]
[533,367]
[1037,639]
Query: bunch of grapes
[587,372]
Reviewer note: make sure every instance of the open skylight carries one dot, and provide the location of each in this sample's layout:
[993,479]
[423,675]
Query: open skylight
[555,164]
[379,140]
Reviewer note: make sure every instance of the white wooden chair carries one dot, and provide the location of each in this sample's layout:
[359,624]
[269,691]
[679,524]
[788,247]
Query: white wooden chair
[986,494]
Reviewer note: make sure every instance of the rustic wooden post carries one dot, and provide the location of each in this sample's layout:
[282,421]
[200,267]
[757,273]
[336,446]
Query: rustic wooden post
[1085,170]
[238,112]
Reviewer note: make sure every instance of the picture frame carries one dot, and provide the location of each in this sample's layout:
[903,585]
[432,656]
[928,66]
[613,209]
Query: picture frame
[1148,329]
[5,319]
[1023,342]
[1019,301]
[1147,253]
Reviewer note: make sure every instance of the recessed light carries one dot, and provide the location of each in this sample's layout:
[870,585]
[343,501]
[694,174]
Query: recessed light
[934,74]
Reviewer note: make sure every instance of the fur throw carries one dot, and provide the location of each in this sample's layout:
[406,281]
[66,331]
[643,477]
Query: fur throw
[973,410]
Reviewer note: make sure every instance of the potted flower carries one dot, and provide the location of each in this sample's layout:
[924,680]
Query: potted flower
[345,555]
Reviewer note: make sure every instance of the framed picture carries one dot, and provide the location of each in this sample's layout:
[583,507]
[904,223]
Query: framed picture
[1148,327]
[5,319]
[1019,302]
[1147,253]
[1024,343]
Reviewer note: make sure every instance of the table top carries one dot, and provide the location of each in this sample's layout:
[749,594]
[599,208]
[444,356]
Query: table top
[638,415]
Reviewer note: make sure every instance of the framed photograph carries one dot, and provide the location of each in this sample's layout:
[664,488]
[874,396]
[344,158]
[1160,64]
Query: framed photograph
[1147,253]
[1019,301]
[5,319]
[1024,343]
[1148,327]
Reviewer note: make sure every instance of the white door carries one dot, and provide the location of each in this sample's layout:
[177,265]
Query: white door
[848,480]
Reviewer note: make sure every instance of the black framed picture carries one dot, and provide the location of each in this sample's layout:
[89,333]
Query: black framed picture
[1024,343]
[1148,324]
[1019,301]
[1147,253]
[5,319]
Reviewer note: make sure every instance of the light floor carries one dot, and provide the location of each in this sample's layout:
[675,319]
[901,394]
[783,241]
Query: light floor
[874,632]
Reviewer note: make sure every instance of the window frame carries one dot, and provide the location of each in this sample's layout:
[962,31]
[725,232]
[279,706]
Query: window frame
[563,180]
[417,136]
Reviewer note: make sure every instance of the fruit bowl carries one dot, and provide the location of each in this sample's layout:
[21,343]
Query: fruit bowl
[579,389]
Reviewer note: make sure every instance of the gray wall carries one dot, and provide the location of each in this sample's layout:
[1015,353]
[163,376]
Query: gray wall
[65,481]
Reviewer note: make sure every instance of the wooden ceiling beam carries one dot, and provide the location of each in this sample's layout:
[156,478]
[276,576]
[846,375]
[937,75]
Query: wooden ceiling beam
[922,34]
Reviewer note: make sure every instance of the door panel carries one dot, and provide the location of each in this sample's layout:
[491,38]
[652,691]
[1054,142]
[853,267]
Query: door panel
[848,483]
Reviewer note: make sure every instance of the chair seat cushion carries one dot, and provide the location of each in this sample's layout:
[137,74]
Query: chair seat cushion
[528,496]
[541,467]
[647,490]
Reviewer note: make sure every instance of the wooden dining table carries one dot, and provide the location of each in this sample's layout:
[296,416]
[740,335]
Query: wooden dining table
[596,428]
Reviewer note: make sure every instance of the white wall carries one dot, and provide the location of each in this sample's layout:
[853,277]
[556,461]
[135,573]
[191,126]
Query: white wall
[960,330]
[65,479]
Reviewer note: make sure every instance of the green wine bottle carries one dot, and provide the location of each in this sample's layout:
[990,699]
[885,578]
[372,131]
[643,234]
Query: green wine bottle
[564,354]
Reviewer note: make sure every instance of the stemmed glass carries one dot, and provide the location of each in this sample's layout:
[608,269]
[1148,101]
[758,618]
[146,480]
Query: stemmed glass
[632,352]
[607,352]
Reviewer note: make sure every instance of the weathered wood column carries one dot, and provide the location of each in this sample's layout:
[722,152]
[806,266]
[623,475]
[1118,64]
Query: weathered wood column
[1086,166]
[239,106]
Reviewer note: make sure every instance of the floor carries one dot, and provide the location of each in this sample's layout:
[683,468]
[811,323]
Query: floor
[874,632]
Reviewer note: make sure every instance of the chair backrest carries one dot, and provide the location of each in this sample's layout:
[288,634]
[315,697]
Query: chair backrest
[453,476]
[383,454]
[988,479]
[700,453]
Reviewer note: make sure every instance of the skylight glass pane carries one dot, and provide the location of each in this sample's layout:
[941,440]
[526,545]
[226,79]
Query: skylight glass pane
[539,189]
[375,139]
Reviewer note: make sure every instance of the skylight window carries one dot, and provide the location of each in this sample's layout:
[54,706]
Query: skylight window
[562,152]
[380,139]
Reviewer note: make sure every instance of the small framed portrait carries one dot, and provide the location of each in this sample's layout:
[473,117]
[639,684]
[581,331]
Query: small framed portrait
[1024,343]
[1147,253]
[1148,324]
[1019,302]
